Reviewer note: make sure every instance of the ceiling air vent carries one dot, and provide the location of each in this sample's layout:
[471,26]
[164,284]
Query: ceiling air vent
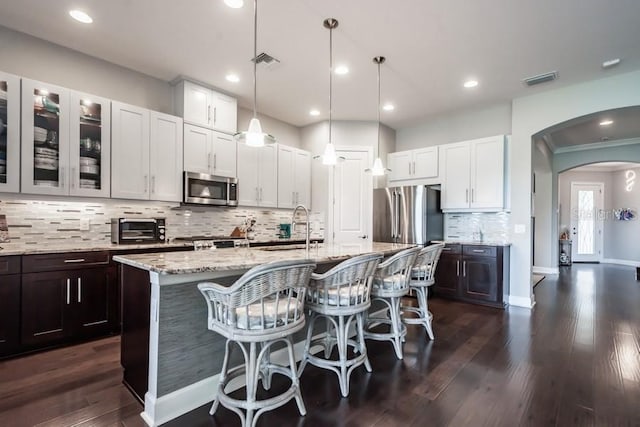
[541,78]
[266,59]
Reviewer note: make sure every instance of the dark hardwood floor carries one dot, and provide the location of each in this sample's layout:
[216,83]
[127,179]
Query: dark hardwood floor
[573,360]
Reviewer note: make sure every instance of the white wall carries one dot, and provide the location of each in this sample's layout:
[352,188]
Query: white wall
[38,59]
[457,126]
[532,114]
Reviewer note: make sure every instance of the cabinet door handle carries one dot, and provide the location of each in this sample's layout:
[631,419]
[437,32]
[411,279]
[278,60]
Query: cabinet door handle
[414,168]
[146,183]
[153,184]
[464,268]
[472,196]
[208,113]
[62,178]
[409,168]
[75,260]
[297,197]
[260,194]
[68,291]
[208,161]
[293,198]
[257,194]
[72,178]
[458,268]
[215,115]
[466,195]
[79,290]
[215,161]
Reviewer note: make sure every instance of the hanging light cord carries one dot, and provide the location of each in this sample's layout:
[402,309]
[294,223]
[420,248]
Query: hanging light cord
[379,108]
[330,77]
[255,58]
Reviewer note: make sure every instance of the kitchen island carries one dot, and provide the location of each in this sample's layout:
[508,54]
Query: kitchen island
[169,355]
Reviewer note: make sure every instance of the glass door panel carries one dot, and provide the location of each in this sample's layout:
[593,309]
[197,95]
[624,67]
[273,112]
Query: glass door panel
[46,143]
[9,133]
[586,223]
[45,138]
[89,149]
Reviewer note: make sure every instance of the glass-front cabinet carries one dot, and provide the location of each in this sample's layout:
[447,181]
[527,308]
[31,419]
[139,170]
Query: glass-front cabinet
[9,133]
[89,148]
[65,141]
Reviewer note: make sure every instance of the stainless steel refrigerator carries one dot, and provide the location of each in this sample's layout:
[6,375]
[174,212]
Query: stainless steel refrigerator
[408,214]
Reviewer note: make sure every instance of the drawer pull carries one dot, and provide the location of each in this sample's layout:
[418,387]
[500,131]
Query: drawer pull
[446,249]
[479,251]
[68,291]
[71,261]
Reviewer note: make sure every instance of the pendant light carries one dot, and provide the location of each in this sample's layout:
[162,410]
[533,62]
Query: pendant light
[378,169]
[329,157]
[254,137]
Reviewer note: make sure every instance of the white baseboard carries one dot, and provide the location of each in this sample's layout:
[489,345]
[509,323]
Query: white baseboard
[621,262]
[522,301]
[546,270]
[165,408]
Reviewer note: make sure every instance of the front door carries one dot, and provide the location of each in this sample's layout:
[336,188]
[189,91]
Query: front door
[352,191]
[586,221]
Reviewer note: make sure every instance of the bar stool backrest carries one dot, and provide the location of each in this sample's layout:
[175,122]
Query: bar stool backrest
[346,288]
[394,273]
[268,296]
[424,268]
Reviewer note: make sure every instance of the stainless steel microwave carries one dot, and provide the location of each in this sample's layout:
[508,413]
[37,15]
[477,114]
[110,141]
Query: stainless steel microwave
[137,230]
[204,189]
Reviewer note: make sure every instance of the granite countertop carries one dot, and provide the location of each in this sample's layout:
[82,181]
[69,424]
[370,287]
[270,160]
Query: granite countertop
[475,243]
[52,247]
[246,258]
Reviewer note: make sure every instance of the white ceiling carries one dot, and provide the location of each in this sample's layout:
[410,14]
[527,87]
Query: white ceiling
[431,47]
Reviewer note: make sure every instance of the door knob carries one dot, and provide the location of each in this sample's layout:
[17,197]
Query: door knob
[363,237]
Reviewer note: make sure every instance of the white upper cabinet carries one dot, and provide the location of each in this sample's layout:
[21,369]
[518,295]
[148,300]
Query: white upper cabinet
[258,176]
[45,138]
[474,173]
[9,133]
[204,107]
[146,161]
[129,152]
[413,164]
[294,177]
[165,157]
[210,152]
[65,141]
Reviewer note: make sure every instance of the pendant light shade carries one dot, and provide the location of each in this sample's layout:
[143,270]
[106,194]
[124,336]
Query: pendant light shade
[378,169]
[329,157]
[254,136]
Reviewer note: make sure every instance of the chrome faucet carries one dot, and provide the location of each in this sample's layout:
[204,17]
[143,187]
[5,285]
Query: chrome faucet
[293,224]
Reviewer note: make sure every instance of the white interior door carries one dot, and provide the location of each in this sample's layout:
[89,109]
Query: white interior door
[586,221]
[352,190]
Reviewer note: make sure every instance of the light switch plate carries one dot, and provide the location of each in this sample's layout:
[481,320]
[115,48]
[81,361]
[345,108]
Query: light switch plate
[519,228]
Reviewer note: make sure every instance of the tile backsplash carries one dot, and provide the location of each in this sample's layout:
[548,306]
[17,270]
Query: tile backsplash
[469,227]
[37,220]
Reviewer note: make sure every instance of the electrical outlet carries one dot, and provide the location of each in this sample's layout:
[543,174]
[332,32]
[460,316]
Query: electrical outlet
[519,229]
[84,225]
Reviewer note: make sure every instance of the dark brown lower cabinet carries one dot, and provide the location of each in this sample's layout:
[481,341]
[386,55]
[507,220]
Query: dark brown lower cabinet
[474,273]
[9,304]
[66,298]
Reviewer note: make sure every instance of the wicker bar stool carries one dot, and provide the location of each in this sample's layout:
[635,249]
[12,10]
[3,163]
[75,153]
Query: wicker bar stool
[423,276]
[390,284]
[341,295]
[264,306]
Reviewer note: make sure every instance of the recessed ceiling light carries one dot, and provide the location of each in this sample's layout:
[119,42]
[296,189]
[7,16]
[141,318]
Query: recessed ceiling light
[234,4]
[342,69]
[388,107]
[233,78]
[470,83]
[611,63]
[81,16]
[606,122]
[314,113]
